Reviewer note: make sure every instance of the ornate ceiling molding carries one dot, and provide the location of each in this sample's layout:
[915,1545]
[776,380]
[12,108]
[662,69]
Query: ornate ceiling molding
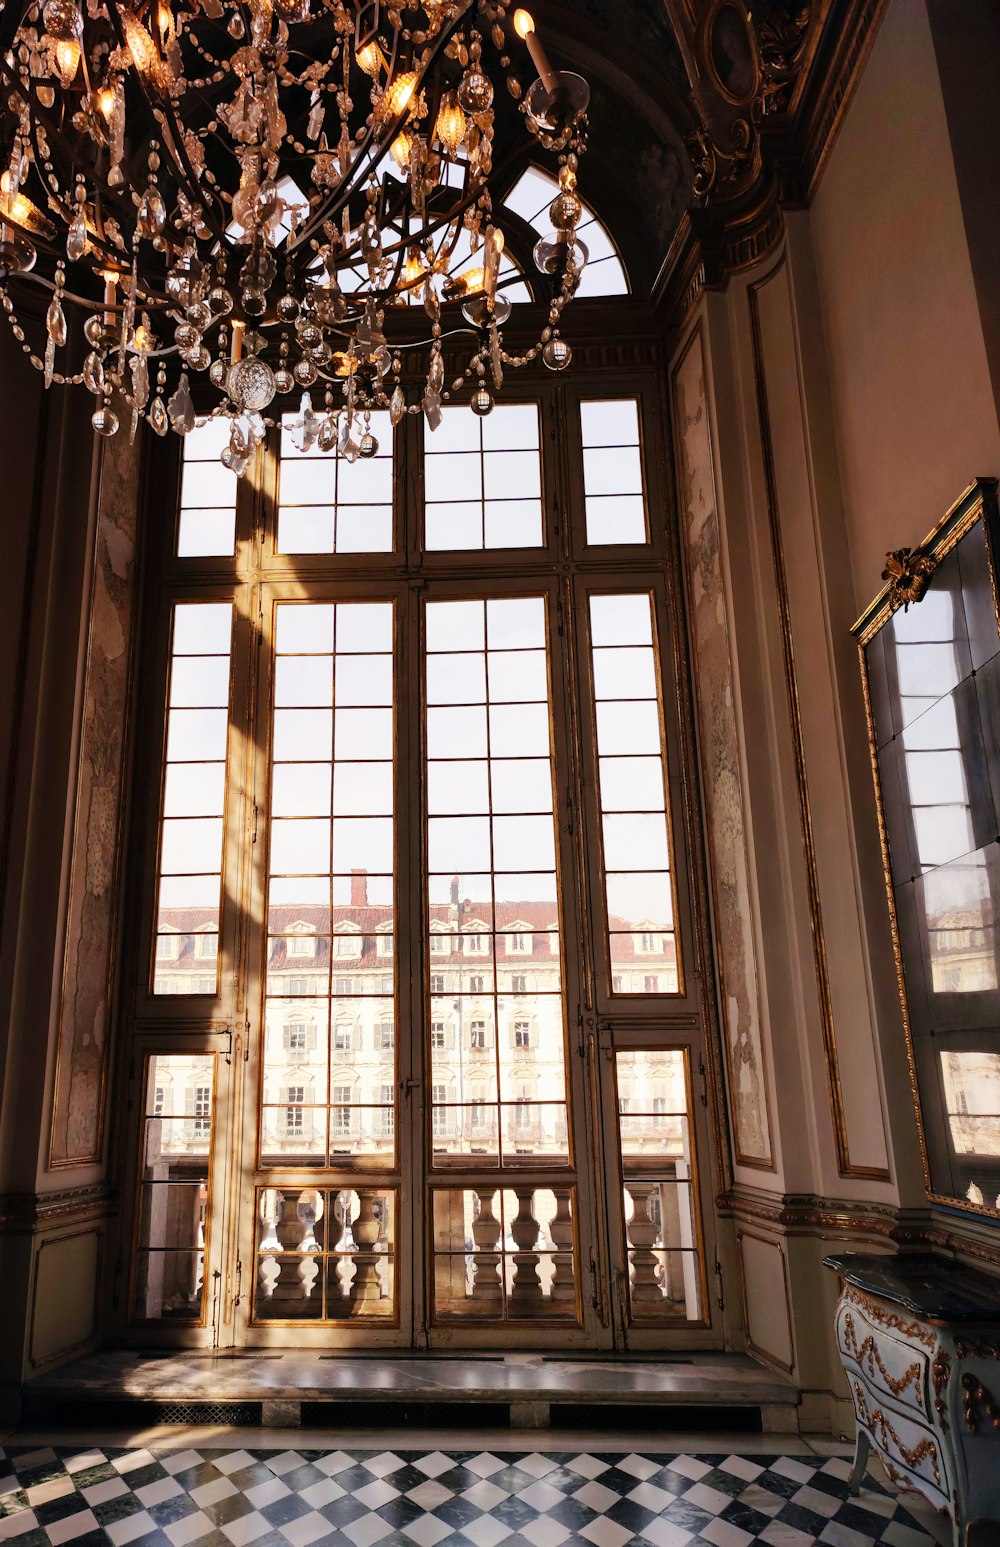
[769,84]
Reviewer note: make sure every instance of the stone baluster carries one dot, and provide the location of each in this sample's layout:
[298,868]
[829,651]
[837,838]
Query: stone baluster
[342,1271]
[486,1290]
[526,1294]
[562,1301]
[366,1228]
[642,1233]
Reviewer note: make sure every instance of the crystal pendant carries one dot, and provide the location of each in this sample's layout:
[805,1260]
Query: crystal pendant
[105,420]
[251,383]
[556,253]
[475,94]
[256,429]
[76,239]
[217,373]
[55,322]
[198,358]
[93,374]
[557,354]
[152,213]
[140,381]
[181,409]
[305,428]
[435,376]
[220,301]
[397,407]
[482,402]
[158,416]
[327,438]
[368,446]
[432,409]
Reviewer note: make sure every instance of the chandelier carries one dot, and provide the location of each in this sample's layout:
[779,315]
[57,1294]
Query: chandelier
[245,191]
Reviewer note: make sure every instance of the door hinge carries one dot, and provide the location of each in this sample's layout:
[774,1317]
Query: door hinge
[720,1286]
[253,830]
[704,1082]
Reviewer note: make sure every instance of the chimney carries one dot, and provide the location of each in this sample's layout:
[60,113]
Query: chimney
[359,888]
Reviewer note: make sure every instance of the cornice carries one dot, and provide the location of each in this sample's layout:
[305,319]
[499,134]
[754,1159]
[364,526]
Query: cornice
[809,1214]
[23,1213]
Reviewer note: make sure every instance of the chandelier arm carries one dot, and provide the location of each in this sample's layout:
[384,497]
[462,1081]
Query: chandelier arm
[348,186]
[341,195]
[40,117]
[177,150]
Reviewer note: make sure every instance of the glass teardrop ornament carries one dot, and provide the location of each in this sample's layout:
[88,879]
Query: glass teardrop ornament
[327,438]
[180,408]
[158,416]
[55,322]
[93,374]
[152,213]
[397,406]
[432,409]
[76,239]
[435,376]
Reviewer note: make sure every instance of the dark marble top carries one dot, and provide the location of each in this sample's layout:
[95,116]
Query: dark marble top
[930,1287]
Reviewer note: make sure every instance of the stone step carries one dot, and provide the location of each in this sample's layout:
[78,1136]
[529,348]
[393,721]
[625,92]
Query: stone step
[296,1387]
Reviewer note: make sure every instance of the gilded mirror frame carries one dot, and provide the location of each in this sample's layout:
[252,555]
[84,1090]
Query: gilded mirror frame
[945,589]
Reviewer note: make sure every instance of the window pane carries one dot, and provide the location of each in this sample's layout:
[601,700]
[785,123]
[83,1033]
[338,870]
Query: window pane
[660,1203]
[329,1069]
[503,1253]
[189,865]
[482,480]
[635,822]
[326,1256]
[327,504]
[496,1034]
[612,472]
[176,1146]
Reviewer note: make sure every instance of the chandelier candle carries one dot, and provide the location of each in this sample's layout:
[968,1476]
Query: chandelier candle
[267,184]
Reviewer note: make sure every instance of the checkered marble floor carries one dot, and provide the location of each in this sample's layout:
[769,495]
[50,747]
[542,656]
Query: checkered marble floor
[293,1498]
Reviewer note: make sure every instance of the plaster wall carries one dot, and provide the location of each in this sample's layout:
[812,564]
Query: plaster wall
[916,418]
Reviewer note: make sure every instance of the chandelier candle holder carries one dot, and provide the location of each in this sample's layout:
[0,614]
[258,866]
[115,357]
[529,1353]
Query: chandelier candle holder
[247,190]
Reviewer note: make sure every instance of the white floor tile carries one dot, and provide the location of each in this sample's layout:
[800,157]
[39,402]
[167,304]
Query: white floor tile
[191,1529]
[131,1528]
[306,1530]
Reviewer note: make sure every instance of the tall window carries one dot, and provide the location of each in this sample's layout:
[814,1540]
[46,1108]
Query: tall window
[414,842]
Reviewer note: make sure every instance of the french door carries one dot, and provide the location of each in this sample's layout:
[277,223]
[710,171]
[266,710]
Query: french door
[422,847]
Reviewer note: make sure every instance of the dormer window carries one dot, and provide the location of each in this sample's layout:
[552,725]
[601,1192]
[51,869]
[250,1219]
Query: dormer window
[385,944]
[168,947]
[475,942]
[347,942]
[206,946]
[518,942]
[301,944]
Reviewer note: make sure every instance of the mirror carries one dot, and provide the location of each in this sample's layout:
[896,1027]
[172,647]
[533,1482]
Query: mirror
[930,660]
